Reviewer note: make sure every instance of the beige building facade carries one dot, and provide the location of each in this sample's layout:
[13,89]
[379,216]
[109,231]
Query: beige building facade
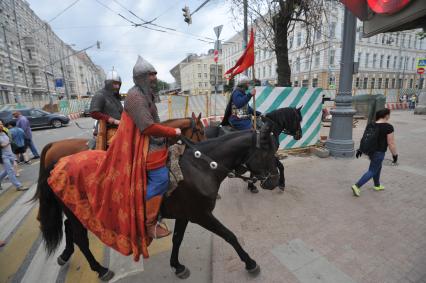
[35,63]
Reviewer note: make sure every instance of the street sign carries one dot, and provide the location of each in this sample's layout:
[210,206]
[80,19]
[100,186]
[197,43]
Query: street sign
[216,56]
[420,71]
[218,30]
[421,63]
[59,83]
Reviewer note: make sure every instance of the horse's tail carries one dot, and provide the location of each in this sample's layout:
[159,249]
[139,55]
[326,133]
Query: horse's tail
[50,210]
[43,173]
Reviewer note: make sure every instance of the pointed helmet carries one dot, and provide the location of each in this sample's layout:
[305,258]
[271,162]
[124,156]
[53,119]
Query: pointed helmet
[113,76]
[142,68]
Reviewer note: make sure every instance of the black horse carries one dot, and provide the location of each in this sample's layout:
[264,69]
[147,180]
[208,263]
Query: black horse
[284,120]
[204,166]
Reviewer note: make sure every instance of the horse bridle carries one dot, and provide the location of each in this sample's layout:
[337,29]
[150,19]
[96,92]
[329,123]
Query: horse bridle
[215,165]
[193,127]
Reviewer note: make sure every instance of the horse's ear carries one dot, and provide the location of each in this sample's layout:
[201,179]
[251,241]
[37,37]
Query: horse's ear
[193,116]
[199,116]
[300,108]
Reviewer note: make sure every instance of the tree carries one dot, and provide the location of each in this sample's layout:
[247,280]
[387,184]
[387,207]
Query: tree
[162,85]
[275,21]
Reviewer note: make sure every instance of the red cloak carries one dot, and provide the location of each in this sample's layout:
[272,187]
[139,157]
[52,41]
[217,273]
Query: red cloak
[106,189]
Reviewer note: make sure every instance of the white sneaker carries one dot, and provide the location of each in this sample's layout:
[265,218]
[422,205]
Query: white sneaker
[22,188]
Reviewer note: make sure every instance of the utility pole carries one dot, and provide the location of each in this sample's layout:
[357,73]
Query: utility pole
[20,50]
[63,73]
[51,66]
[16,96]
[340,143]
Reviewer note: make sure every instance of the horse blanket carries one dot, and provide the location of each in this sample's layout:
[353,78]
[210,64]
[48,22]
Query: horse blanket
[106,189]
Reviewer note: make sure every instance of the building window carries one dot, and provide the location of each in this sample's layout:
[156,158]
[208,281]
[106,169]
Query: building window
[367,57]
[317,58]
[264,73]
[395,58]
[205,67]
[411,83]
[382,57]
[333,30]
[379,83]
[409,41]
[365,83]
[393,83]
[318,34]
[298,64]
[307,60]
[315,82]
[357,82]
[387,83]
[290,42]
[33,76]
[359,57]
[270,71]
[299,39]
[199,75]
[200,85]
[199,67]
[400,63]
[331,81]
[205,75]
[205,85]
[305,83]
[374,60]
[403,40]
[296,83]
[30,55]
[373,83]
[388,62]
[331,59]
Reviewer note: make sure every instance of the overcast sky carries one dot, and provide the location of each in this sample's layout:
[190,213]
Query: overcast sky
[88,21]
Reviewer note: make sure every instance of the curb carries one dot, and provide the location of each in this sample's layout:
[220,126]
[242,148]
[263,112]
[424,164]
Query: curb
[74,116]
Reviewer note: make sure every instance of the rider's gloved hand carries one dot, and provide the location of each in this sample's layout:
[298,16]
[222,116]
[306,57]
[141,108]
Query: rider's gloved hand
[178,132]
[253,91]
[358,153]
[395,159]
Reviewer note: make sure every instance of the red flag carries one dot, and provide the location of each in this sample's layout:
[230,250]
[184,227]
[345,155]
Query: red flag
[245,61]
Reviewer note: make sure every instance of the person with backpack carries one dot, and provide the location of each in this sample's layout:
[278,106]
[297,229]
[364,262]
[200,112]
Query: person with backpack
[17,141]
[375,141]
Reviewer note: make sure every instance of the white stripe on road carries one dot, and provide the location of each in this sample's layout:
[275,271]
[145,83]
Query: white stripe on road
[123,266]
[43,268]
[10,220]
[412,170]
[6,187]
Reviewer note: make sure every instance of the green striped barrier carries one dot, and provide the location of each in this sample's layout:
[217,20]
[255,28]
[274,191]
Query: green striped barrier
[271,98]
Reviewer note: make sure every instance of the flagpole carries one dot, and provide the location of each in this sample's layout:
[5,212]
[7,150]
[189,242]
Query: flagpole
[254,81]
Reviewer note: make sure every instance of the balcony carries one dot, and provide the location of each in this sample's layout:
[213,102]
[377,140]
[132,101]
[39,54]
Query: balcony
[29,41]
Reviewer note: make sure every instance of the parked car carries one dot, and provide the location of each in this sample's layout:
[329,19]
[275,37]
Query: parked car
[37,117]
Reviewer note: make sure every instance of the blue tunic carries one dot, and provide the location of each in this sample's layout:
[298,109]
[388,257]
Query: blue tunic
[240,99]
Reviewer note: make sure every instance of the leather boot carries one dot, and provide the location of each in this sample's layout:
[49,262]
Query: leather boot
[153,228]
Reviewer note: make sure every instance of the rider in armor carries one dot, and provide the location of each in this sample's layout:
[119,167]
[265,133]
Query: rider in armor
[106,106]
[140,106]
[238,113]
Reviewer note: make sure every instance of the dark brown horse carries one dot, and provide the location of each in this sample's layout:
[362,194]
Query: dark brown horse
[204,166]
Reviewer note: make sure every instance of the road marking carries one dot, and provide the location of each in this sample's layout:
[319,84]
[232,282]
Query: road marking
[307,265]
[123,266]
[79,269]
[13,216]
[36,271]
[8,198]
[413,170]
[17,248]
[5,187]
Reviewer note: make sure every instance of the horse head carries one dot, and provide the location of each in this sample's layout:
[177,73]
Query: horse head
[195,131]
[285,120]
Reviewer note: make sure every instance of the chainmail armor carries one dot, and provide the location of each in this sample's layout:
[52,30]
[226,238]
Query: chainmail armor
[106,102]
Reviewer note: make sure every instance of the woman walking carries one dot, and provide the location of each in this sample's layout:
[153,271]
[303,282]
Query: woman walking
[385,139]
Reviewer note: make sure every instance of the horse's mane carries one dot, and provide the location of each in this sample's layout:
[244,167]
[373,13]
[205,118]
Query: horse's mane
[282,116]
[223,138]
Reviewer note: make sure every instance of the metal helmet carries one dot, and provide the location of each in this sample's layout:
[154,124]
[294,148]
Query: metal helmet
[242,80]
[142,68]
[113,76]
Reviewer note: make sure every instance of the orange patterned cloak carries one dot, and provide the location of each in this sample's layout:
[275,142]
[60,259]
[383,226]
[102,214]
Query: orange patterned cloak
[106,189]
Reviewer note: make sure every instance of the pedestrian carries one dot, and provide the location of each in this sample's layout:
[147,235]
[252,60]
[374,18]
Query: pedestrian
[23,123]
[17,137]
[413,100]
[384,138]
[7,159]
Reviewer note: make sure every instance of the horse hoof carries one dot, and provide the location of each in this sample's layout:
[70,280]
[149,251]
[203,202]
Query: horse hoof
[61,261]
[218,196]
[254,271]
[282,188]
[107,276]
[183,274]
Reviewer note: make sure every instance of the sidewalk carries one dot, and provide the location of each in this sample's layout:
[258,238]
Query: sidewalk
[317,231]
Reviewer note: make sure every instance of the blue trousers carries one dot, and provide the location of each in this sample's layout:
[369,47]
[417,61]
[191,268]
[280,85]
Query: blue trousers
[31,145]
[158,182]
[8,170]
[240,124]
[374,170]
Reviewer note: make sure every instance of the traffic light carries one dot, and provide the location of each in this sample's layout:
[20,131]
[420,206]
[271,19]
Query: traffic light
[98,44]
[187,15]
[388,15]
